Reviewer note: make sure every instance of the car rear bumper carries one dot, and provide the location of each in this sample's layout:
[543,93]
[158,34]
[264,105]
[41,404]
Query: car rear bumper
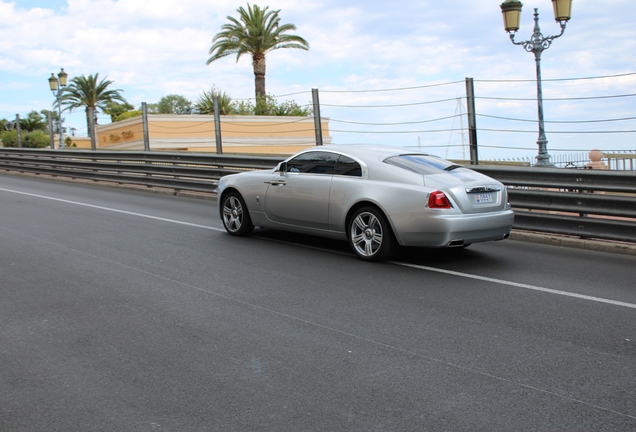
[443,230]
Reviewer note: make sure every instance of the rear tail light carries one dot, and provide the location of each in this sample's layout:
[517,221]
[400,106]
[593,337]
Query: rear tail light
[438,200]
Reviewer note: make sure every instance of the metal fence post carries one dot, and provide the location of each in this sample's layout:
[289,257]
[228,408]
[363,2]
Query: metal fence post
[217,126]
[50,116]
[472,121]
[144,120]
[17,125]
[317,120]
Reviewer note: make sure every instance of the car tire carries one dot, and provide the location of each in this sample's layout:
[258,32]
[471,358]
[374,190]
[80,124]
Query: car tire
[235,216]
[370,235]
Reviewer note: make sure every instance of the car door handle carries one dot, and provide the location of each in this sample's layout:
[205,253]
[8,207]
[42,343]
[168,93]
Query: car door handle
[276,182]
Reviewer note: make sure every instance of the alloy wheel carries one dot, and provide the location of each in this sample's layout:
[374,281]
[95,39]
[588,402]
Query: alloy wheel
[366,234]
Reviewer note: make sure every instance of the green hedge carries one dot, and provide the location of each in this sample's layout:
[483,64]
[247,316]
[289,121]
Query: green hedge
[36,139]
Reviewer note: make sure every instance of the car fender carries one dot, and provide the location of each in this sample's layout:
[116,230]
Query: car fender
[251,185]
[391,198]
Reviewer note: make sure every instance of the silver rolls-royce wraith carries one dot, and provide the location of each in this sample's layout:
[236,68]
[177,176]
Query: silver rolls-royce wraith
[374,197]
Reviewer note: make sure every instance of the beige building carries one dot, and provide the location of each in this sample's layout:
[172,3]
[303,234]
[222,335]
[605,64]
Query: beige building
[80,142]
[240,134]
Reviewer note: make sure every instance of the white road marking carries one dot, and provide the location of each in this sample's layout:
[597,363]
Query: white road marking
[416,266]
[115,210]
[518,285]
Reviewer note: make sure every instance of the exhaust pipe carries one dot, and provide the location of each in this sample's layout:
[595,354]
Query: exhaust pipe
[455,243]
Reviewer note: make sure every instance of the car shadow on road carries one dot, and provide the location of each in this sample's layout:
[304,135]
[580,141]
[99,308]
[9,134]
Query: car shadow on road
[303,240]
[427,256]
[410,255]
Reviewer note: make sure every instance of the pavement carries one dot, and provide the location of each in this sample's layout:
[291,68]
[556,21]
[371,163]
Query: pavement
[599,245]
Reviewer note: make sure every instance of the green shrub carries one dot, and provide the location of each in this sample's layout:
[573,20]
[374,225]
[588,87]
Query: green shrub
[115,109]
[243,107]
[9,138]
[36,139]
[68,142]
[174,104]
[127,115]
[270,107]
[262,106]
[205,104]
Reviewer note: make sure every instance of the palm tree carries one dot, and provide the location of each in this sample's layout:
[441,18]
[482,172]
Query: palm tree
[32,122]
[257,33]
[87,92]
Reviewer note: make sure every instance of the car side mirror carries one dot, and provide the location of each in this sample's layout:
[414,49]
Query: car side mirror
[283,168]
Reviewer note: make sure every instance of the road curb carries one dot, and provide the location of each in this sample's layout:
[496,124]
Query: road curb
[574,242]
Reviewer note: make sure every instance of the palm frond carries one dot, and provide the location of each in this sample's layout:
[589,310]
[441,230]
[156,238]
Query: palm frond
[88,92]
[256,31]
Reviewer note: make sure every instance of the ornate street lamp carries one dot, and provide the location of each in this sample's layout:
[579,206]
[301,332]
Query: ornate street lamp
[57,85]
[511,10]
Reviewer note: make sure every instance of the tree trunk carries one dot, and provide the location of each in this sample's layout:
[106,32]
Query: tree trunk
[258,62]
[259,81]
[88,119]
[88,122]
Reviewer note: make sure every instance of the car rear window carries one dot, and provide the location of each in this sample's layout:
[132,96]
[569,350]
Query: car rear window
[422,164]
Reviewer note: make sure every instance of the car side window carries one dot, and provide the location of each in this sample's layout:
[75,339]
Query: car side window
[347,167]
[313,162]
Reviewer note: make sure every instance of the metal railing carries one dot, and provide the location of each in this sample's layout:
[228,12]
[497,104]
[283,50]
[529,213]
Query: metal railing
[583,203]
[178,171]
[621,161]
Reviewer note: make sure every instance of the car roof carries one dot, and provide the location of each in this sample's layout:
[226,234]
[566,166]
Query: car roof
[366,152]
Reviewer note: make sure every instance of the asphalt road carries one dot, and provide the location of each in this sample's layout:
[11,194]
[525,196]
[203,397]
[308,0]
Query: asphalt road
[133,311]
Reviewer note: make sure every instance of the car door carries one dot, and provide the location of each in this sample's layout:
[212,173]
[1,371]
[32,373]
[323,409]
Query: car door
[300,196]
[346,187]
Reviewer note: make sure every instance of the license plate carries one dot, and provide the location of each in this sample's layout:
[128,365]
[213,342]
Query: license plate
[483,198]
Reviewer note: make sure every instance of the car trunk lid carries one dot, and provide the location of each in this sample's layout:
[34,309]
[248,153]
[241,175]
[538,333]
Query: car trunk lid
[471,191]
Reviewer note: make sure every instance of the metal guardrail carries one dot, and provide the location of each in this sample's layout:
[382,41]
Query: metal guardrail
[583,203]
[178,171]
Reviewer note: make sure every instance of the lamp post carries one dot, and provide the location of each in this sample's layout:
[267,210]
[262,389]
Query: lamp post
[511,10]
[57,85]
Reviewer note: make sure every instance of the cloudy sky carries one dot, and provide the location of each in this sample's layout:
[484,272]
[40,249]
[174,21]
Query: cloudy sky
[387,72]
